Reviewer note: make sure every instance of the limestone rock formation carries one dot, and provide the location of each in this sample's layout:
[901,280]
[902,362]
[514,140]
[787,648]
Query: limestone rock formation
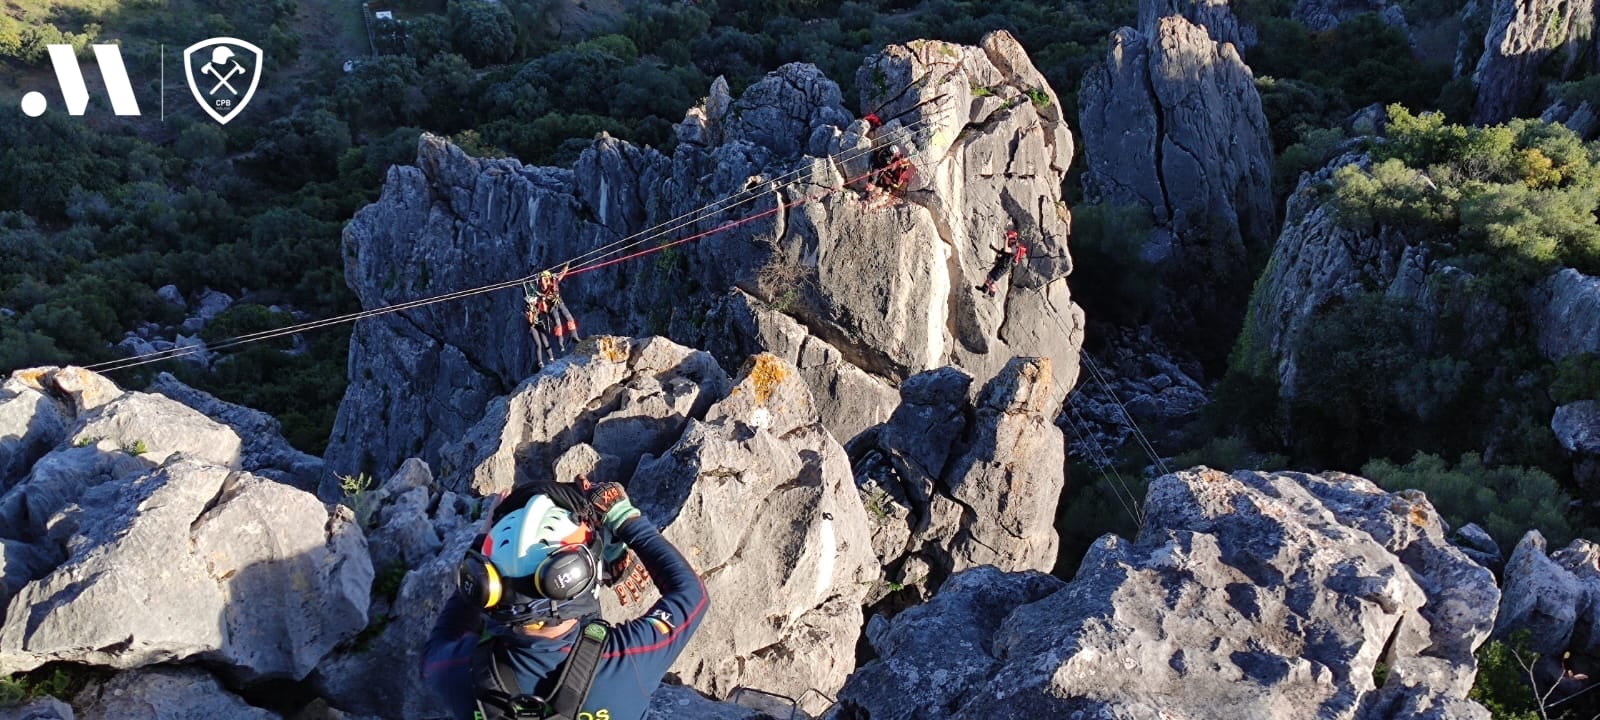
[871,295]
[1319,263]
[194,561]
[1172,124]
[1577,428]
[1579,117]
[1250,595]
[1521,38]
[169,693]
[1324,15]
[417,534]
[955,484]
[37,409]
[759,496]
[1216,16]
[937,654]
[263,450]
[1567,314]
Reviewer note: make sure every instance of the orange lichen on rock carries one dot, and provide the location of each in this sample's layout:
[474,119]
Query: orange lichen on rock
[766,374]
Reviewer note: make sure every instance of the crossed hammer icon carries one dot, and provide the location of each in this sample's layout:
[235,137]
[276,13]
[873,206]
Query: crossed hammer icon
[220,56]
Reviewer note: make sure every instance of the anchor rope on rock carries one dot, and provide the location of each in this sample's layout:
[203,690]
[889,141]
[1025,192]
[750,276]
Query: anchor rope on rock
[596,258]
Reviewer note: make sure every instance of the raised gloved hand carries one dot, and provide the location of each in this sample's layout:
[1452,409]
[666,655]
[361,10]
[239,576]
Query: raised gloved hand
[625,574]
[610,501]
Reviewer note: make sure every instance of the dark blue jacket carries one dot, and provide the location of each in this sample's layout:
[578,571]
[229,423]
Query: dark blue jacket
[636,655]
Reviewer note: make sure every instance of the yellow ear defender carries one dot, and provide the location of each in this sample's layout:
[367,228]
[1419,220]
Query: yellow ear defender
[479,581]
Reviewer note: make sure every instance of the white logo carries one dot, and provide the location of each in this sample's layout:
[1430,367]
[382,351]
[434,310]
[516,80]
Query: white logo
[217,77]
[73,89]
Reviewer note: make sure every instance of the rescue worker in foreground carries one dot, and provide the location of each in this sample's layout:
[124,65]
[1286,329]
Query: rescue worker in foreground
[521,638]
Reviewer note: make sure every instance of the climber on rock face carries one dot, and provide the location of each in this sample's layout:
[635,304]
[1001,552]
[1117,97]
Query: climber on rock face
[522,636]
[891,173]
[536,312]
[1014,253]
[561,318]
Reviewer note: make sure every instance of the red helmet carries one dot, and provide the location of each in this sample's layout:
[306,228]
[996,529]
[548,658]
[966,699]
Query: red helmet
[872,120]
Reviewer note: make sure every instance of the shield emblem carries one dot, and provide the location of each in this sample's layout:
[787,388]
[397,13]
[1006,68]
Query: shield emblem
[223,73]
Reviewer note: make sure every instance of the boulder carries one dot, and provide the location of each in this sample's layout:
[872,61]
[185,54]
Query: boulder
[1522,36]
[1567,314]
[676,702]
[1577,428]
[194,561]
[416,547]
[934,655]
[759,496]
[880,293]
[164,693]
[1475,542]
[45,708]
[1250,595]
[1172,124]
[156,428]
[522,435]
[959,483]
[31,422]
[211,303]
[1540,597]
[263,450]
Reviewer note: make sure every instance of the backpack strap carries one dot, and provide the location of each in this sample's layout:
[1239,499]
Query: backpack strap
[577,673]
[500,697]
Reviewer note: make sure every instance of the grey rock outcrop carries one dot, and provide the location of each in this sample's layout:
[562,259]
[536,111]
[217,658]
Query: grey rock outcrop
[1522,36]
[1567,313]
[1172,124]
[759,496]
[1216,16]
[936,654]
[1577,428]
[194,561]
[1320,263]
[676,702]
[45,708]
[1539,596]
[263,450]
[1259,565]
[164,693]
[1135,378]
[38,407]
[419,533]
[879,293]
[1324,15]
[625,398]
[127,435]
[1579,117]
[955,484]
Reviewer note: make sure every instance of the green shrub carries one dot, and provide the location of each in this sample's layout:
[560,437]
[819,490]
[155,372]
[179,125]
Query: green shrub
[1577,378]
[1109,238]
[1503,685]
[1505,501]
[1229,453]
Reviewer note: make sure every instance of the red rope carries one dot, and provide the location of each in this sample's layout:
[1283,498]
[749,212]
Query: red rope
[727,226]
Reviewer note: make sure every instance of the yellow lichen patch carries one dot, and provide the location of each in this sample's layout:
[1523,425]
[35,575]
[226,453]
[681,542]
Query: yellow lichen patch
[765,376]
[31,377]
[1419,516]
[608,347]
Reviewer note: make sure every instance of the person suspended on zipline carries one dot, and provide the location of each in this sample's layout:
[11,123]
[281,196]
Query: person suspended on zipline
[1013,254]
[563,324]
[536,312]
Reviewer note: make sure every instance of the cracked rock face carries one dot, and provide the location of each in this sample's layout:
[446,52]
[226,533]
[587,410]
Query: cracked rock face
[1250,595]
[860,297]
[1172,123]
[1567,313]
[1318,263]
[954,484]
[194,561]
[1522,36]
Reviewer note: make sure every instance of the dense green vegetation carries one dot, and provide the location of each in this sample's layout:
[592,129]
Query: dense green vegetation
[97,213]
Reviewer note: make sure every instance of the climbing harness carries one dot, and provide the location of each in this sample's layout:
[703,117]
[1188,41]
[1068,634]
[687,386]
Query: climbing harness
[499,695]
[589,261]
